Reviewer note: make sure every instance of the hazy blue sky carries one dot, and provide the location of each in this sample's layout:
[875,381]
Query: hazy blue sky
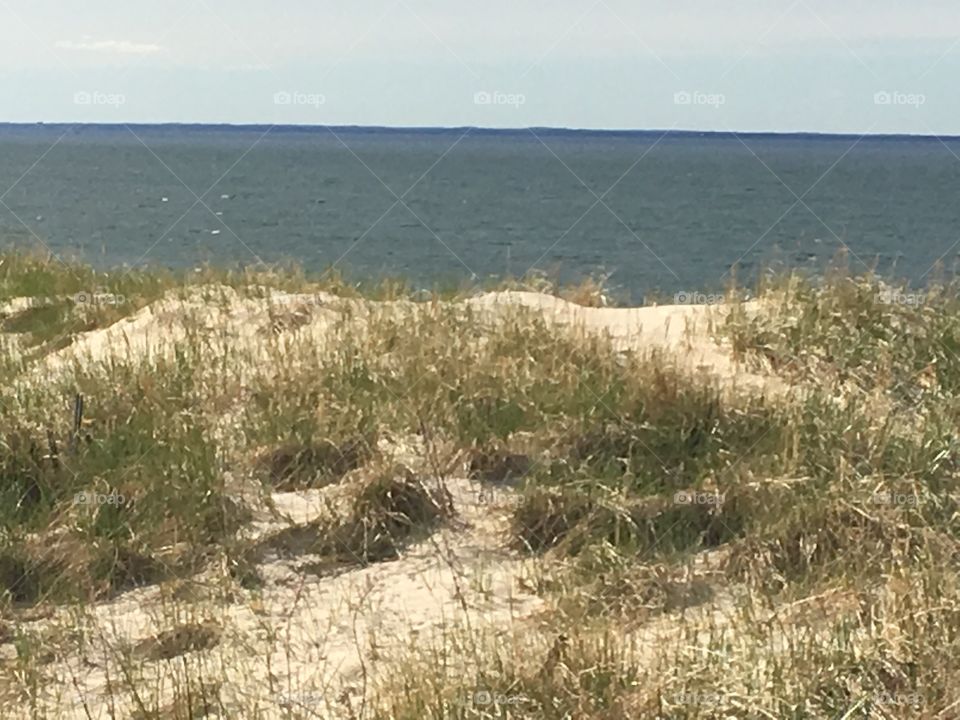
[816,65]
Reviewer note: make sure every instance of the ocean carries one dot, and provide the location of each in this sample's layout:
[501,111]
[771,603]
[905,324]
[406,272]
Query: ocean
[659,213]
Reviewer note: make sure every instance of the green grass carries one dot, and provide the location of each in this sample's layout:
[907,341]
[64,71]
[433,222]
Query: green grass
[603,453]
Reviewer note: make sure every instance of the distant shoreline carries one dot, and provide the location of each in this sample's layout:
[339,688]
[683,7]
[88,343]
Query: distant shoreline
[474,130]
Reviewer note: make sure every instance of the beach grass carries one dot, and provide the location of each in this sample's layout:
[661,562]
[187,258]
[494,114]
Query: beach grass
[696,553]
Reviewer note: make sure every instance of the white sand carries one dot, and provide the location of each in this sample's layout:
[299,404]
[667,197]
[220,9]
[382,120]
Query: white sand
[683,333]
[330,635]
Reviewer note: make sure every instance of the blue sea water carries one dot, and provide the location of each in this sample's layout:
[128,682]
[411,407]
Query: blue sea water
[657,212]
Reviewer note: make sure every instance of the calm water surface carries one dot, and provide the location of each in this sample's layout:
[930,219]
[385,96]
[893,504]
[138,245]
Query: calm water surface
[658,213]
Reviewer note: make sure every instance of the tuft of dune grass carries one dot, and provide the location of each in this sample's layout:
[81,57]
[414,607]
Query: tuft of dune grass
[386,510]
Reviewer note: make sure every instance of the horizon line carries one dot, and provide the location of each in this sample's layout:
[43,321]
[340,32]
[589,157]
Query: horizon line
[481,129]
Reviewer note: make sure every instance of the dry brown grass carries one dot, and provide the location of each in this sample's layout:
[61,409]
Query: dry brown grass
[689,553]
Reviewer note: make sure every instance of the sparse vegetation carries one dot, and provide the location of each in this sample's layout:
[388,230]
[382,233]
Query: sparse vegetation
[690,552]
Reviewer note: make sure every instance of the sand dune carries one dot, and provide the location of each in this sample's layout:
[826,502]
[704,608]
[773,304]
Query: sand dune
[336,632]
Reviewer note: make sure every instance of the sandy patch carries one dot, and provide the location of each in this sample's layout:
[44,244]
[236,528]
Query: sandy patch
[305,638]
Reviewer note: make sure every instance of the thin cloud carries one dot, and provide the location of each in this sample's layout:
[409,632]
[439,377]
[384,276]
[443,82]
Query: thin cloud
[123,47]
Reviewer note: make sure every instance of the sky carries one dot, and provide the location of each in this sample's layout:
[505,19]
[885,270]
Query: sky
[839,66]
